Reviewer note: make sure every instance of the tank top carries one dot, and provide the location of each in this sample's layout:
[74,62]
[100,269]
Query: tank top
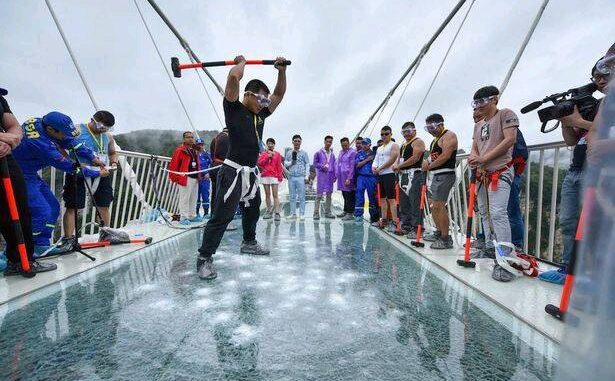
[435,150]
[382,155]
[406,152]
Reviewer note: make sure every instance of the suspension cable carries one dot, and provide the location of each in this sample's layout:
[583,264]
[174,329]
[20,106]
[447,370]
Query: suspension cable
[443,60]
[529,35]
[166,70]
[414,63]
[72,56]
[404,91]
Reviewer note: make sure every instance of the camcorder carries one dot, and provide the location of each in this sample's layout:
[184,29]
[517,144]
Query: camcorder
[563,105]
[294,155]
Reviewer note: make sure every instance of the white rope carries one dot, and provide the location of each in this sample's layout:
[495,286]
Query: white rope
[405,88]
[189,173]
[443,60]
[166,70]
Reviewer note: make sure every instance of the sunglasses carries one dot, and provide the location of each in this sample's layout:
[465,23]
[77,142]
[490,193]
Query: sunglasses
[476,103]
[385,133]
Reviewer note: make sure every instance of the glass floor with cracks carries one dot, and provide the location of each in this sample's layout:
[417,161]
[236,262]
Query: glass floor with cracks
[333,301]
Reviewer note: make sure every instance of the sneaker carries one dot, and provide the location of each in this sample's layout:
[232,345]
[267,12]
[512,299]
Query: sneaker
[340,215]
[42,250]
[391,227]
[442,243]
[35,267]
[380,224]
[205,268]
[553,276]
[206,216]
[185,222]
[66,246]
[196,219]
[316,217]
[488,252]
[348,217]
[358,219]
[253,248]
[431,237]
[411,234]
[277,217]
[231,226]
[329,216]
[292,217]
[502,275]
[267,215]
[476,244]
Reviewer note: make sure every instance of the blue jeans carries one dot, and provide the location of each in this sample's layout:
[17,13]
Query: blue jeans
[569,211]
[296,189]
[515,218]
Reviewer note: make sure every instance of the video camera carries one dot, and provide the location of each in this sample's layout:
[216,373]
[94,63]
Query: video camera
[563,105]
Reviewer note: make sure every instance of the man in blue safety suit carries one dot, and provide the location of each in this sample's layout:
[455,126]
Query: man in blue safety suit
[366,182]
[202,199]
[43,144]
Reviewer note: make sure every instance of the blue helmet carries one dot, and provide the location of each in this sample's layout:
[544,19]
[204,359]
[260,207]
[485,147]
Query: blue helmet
[61,122]
[199,141]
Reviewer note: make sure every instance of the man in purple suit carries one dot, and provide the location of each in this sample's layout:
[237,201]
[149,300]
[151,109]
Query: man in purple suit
[345,178]
[324,163]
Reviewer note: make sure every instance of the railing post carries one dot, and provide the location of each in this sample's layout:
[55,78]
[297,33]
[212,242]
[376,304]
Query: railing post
[526,225]
[552,217]
[541,173]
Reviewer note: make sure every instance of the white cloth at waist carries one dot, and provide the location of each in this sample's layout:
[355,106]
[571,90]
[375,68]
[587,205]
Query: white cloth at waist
[248,191]
[442,170]
[409,170]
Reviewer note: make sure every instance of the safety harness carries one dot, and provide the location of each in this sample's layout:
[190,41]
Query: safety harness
[248,190]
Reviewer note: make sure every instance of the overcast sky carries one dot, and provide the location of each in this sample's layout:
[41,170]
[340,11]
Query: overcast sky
[346,56]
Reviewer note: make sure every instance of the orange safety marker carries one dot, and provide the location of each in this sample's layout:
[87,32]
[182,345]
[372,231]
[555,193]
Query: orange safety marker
[14,214]
[466,262]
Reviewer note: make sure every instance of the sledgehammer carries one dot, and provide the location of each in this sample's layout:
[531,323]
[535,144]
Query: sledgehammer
[177,67]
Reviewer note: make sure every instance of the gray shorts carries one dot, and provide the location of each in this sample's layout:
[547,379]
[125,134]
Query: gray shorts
[441,185]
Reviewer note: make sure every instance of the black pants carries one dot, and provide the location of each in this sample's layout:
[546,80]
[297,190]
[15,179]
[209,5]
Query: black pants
[349,201]
[213,176]
[223,212]
[409,204]
[6,227]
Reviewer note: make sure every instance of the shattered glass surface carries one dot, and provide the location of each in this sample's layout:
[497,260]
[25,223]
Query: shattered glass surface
[333,302]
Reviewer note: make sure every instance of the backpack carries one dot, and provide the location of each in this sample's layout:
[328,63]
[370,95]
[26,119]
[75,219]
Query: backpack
[520,154]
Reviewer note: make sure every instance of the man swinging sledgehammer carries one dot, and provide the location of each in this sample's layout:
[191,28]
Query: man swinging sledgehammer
[238,177]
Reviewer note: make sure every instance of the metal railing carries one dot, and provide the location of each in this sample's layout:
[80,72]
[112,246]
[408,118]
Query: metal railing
[539,199]
[133,189]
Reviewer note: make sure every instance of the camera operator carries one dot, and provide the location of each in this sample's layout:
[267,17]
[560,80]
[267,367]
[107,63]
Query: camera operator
[575,130]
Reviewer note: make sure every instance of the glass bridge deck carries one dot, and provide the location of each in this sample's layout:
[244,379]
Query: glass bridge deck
[333,302]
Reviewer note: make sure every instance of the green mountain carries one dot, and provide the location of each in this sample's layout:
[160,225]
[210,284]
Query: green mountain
[157,142]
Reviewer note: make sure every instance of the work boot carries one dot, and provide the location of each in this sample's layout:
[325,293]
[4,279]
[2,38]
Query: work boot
[35,267]
[502,275]
[253,248]
[205,268]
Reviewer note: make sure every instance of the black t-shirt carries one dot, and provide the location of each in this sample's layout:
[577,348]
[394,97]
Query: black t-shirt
[406,152]
[245,132]
[579,153]
[4,108]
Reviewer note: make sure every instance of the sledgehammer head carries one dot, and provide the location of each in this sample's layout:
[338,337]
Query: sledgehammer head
[417,244]
[177,73]
[468,264]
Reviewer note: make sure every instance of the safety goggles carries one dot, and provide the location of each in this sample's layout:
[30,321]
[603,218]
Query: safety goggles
[598,75]
[408,131]
[432,127]
[606,65]
[476,103]
[101,126]
[262,100]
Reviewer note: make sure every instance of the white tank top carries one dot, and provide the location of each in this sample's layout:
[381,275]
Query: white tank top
[383,154]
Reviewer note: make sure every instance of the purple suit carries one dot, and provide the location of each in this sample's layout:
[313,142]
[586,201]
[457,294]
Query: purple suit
[325,177]
[345,170]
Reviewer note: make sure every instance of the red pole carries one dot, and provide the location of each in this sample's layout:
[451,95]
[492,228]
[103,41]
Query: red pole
[466,257]
[419,228]
[14,214]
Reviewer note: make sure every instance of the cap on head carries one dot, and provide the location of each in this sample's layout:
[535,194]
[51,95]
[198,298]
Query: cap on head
[199,141]
[61,122]
[485,92]
[366,141]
